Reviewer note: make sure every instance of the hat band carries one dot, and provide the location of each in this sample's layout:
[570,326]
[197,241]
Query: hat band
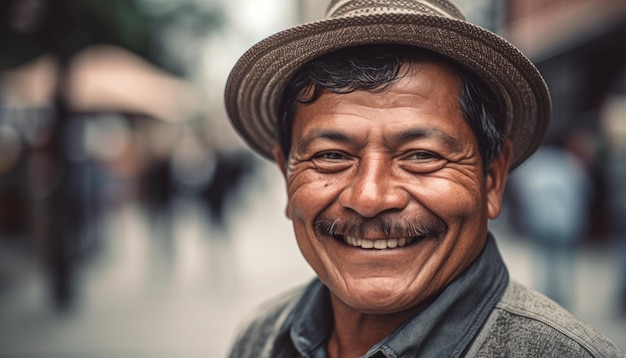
[428,8]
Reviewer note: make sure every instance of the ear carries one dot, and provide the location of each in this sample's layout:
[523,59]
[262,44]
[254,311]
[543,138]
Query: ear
[280,160]
[497,175]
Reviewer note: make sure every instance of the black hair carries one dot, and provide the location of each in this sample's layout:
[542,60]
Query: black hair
[376,67]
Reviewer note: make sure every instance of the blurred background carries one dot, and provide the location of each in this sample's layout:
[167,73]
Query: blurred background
[135,223]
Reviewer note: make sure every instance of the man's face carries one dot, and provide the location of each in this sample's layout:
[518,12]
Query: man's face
[386,190]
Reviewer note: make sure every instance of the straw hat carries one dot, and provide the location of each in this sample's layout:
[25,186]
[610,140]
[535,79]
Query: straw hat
[255,86]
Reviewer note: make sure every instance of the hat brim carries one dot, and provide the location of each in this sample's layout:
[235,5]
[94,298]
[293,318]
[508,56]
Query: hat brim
[255,86]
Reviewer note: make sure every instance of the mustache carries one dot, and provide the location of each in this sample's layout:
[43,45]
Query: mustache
[358,227]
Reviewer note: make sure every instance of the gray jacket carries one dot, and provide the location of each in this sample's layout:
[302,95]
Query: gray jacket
[523,323]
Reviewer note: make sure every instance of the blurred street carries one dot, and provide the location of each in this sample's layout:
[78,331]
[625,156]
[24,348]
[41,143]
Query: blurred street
[147,293]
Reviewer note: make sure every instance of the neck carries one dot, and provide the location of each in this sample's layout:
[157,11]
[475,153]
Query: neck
[354,332]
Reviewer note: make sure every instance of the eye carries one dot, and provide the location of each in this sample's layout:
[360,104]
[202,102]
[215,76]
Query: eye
[422,162]
[422,155]
[330,156]
[331,162]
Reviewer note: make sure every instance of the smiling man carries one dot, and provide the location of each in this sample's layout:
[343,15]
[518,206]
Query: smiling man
[395,124]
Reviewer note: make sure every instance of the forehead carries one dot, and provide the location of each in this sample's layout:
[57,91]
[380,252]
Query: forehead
[425,94]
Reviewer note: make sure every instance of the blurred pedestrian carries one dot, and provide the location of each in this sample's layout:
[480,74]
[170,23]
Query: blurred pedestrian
[614,126]
[553,191]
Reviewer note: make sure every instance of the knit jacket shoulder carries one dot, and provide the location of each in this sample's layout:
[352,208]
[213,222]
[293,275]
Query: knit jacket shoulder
[260,331]
[525,323]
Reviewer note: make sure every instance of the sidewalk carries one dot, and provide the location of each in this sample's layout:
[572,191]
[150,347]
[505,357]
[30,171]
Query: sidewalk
[149,295]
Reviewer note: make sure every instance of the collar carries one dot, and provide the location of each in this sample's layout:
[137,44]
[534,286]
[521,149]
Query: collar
[443,329]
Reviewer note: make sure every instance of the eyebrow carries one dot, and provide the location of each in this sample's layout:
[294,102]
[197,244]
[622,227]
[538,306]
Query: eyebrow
[401,137]
[317,134]
[421,133]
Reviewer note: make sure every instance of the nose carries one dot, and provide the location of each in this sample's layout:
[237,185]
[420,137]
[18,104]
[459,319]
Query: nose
[374,189]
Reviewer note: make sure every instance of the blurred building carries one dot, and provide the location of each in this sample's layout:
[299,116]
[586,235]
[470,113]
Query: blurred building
[580,47]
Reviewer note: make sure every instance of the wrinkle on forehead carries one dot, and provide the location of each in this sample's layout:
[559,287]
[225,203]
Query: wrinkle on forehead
[403,82]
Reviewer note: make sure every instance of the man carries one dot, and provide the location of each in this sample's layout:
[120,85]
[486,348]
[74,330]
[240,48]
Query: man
[395,124]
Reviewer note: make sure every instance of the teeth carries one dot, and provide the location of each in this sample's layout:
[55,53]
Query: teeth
[380,244]
[377,244]
[367,244]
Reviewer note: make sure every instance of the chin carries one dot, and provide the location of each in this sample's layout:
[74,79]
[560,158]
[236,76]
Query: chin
[380,296]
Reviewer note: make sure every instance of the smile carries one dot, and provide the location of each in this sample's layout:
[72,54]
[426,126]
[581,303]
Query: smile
[380,244]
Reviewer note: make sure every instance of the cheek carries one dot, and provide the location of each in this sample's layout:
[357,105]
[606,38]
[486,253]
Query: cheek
[451,198]
[309,193]
[461,205]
